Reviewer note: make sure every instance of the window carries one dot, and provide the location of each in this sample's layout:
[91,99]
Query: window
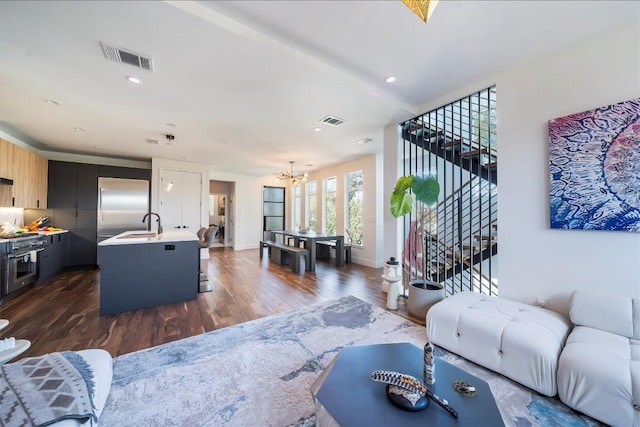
[353,221]
[329,205]
[312,212]
[297,207]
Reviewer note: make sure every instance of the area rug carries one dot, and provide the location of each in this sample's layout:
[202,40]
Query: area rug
[259,373]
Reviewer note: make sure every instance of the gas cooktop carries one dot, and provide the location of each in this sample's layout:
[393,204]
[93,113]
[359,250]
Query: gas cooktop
[18,235]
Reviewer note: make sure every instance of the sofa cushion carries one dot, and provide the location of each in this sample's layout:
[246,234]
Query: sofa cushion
[617,314]
[599,375]
[519,341]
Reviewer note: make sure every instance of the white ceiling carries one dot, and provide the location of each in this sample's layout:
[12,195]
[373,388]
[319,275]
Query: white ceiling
[246,82]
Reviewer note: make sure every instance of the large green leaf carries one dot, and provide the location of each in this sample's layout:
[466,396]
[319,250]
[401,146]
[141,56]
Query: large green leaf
[426,189]
[401,203]
[403,184]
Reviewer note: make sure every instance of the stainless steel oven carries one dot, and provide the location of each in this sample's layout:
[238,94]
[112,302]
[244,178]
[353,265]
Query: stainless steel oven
[20,261]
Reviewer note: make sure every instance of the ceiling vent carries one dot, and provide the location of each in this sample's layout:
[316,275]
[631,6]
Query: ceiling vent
[152,141]
[125,56]
[332,121]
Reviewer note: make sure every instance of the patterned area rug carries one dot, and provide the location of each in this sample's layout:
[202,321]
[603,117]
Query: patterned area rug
[259,373]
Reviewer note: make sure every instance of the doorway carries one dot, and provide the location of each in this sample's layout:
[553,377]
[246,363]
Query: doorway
[218,217]
[180,199]
[221,212]
[273,210]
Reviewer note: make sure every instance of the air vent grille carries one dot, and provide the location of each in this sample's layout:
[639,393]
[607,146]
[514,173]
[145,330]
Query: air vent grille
[332,121]
[152,141]
[126,56]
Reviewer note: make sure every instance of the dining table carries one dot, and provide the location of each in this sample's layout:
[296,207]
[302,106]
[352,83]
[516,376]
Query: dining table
[311,237]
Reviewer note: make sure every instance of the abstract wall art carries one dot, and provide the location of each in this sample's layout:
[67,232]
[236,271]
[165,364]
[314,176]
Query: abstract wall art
[594,169]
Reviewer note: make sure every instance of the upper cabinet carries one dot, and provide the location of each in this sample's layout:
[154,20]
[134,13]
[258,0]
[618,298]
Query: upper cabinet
[6,172]
[6,156]
[29,174]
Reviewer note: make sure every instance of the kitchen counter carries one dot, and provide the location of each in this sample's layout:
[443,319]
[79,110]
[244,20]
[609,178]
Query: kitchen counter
[42,233]
[140,269]
[142,237]
[51,233]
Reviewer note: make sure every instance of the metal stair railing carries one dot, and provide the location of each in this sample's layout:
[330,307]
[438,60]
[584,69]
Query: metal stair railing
[451,251]
[460,234]
[462,133]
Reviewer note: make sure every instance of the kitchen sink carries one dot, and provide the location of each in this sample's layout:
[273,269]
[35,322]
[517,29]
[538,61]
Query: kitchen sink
[138,236]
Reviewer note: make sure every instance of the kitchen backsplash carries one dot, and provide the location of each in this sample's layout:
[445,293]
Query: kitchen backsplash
[32,214]
[12,216]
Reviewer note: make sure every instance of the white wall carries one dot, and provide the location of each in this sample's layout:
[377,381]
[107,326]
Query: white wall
[393,230]
[535,260]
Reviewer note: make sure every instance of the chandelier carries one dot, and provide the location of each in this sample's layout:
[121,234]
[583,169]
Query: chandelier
[422,8]
[290,175]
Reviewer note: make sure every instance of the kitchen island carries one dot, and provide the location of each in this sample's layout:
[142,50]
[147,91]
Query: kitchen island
[141,269]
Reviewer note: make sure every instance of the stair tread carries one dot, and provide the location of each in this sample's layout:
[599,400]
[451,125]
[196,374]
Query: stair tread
[476,246]
[485,237]
[451,143]
[475,152]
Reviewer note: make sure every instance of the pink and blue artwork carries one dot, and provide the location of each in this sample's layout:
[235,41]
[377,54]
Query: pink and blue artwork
[594,169]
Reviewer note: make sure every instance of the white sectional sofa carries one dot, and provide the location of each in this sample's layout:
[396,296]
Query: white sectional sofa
[599,368]
[517,340]
[594,367]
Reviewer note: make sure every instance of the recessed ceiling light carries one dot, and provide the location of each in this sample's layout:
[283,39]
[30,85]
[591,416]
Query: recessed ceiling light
[364,141]
[134,80]
[52,102]
[317,129]
[79,129]
[390,79]
[171,125]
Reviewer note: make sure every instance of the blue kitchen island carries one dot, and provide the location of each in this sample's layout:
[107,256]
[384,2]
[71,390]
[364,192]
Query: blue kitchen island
[141,269]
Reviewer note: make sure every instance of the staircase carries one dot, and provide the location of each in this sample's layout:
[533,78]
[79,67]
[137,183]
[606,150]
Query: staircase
[457,247]
[457,142]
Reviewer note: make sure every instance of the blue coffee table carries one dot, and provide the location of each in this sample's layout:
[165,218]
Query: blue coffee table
[346,396]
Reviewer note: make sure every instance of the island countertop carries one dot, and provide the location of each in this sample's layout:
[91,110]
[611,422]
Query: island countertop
[142,237]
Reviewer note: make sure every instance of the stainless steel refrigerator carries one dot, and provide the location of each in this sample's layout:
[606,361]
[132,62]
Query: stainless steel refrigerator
[122,203]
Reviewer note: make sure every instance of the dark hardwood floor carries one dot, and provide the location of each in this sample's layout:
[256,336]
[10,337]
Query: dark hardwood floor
[63,313]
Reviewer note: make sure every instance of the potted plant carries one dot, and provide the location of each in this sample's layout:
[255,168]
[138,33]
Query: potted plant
[423,293]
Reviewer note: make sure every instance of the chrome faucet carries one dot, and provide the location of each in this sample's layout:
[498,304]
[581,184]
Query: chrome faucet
[158,220]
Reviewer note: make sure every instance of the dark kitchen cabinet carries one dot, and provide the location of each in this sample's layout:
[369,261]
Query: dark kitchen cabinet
[54,257]
[74,185]
[125,173]
[87,187]
[73,197]
[83,247]
[62,189]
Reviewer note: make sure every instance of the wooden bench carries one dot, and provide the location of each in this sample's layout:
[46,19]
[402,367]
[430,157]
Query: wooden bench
[323,247]
[285,254]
